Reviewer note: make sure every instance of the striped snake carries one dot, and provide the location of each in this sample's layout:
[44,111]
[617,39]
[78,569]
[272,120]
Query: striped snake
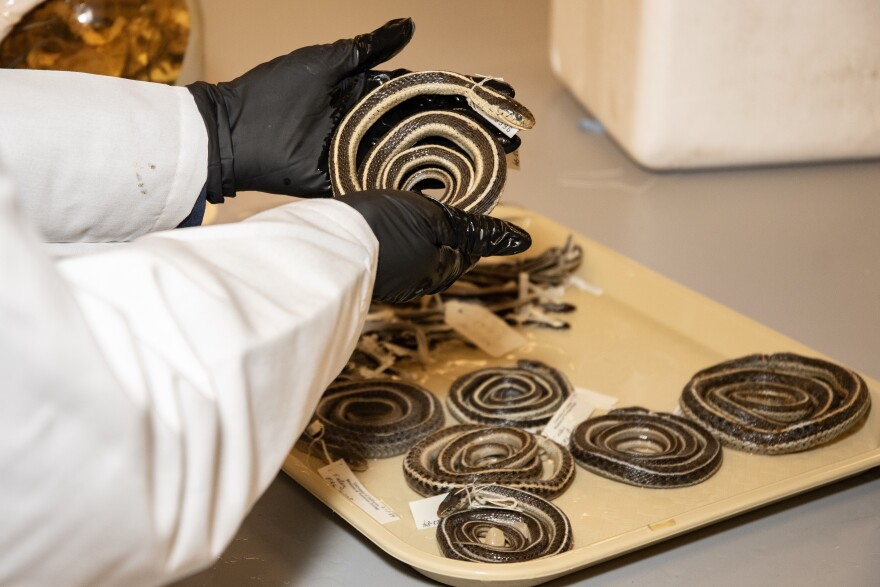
[498,524]
[776,404]
[525,396]
[473,172]
[647,449]
[377,418]
[468,454]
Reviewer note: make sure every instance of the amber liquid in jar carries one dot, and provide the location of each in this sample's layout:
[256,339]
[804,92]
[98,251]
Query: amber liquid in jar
[135,39]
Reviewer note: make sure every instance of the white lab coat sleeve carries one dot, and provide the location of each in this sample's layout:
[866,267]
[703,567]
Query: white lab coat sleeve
[100,159]
[150,393]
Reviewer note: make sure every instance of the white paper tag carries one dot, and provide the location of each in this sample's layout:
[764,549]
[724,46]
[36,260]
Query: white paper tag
[424,511]
[483,328]
[339,476]
[584,285]
[574,410]
[505,128]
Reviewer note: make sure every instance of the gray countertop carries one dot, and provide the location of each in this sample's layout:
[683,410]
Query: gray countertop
[796,248]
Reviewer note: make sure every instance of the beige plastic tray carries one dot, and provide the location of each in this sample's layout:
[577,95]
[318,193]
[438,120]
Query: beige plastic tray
[640,341]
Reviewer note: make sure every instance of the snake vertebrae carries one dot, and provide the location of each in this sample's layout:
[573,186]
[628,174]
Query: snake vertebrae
[525,396]
[378,418]
[466,159]
[498,524]
[647,449]
[468,454]
[775,404]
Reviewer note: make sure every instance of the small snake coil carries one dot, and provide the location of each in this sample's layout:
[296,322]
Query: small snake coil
[776,404]
[646,449]
[466,160]
[378,418]
[498,524]
[467,454]
[525,396]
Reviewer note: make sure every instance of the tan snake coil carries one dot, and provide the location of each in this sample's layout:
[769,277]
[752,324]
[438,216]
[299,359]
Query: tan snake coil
[469,454]
[775,404]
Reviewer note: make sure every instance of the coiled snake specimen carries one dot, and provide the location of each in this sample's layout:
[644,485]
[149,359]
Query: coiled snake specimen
[473,172]
[497,524]
[525,396]
[468,454]
[776,404]
[647,449]
[377,418]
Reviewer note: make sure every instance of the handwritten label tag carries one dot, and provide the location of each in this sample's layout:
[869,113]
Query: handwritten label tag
[574,410]
[424,511]
[339,476]
[483,328]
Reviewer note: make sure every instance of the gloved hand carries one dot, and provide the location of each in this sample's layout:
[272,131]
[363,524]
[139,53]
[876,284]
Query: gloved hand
[269,129]
[424,246]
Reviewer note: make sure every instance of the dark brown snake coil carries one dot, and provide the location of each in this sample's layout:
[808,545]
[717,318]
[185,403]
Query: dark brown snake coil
[378,418]
[647,449]
[776,404]
[529,527]
[470,454]
[525,396]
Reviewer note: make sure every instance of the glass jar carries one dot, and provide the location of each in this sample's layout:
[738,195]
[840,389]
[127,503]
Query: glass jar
[151,40]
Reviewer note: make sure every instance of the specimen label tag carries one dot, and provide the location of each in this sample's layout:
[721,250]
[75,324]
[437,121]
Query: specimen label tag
[424,511]
[505,128]
[340,477]
[574,410]
[483,328]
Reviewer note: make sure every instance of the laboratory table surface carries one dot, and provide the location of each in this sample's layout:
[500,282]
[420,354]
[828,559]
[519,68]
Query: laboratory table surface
[796,248]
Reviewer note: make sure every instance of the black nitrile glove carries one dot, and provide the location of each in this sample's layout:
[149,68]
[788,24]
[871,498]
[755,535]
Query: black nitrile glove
[424,246]
[269,129]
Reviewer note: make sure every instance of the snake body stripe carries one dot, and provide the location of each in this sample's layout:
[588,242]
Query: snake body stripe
[530,527]
[447,166]
[647,449]
[525,396]
[776,404]
[480,193]
[378,418]
[468,454]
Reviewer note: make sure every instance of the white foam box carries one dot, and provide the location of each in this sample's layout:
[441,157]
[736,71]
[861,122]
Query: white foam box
[714,83]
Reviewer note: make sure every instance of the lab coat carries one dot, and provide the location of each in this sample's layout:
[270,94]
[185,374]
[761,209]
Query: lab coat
[149,392]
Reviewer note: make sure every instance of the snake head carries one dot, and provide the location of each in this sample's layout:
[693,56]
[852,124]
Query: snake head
[519,117]
[476,497]
[458,500]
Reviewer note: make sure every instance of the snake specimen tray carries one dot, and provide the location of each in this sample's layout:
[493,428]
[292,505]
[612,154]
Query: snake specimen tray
[649,343]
